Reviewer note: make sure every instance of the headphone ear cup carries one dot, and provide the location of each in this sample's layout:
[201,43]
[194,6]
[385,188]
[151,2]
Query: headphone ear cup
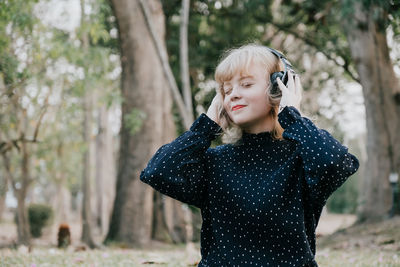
[274,83]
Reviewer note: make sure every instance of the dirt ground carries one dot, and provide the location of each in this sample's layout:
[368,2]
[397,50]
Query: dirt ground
[340,243]
[381,236]
[328,224]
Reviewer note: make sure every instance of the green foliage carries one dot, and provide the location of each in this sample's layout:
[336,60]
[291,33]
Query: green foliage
[39,216]
[385,13]
[15,21]
[213,28]
[344,199]
[104,16]
[54,63]
[134,120]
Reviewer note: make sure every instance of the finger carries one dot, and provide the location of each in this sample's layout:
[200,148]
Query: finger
[291,83]
[299,87]
[281,85]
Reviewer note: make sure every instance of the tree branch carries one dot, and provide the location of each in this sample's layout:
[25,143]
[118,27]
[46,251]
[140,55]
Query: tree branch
[8,175]
[162,54]
[184,60]
[46,101]
[310,42]
[8,145]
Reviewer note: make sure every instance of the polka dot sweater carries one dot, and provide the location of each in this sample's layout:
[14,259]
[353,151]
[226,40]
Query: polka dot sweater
[260,199]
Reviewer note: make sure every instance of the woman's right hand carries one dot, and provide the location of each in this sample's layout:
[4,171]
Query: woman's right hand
[212,111]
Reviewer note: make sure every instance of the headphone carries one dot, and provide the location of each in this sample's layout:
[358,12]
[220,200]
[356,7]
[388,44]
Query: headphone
[283,75]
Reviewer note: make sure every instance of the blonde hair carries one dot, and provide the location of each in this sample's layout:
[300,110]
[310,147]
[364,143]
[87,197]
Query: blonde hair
[238,60]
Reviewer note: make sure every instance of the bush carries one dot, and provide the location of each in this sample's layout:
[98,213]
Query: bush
[344,199]
[39,215]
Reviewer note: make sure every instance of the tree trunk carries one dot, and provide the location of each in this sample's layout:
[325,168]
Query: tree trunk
[24,235]
[146,94]
[174,213]
[188,234]
[3,192]
[105,177]
[184,56]
[370,53]
[197,221]
[23,229]
[86,237]
[176,221]
[187,118]
[62,203]
[61,200]
[159,224]
[86,203]
[142,84]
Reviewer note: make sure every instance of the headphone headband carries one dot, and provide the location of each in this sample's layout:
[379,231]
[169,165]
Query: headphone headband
[286,63]
[283,75]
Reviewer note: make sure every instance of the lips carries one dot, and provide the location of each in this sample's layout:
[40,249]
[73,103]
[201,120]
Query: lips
[238,107]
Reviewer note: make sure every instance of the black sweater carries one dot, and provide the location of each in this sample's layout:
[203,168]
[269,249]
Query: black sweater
[260,200]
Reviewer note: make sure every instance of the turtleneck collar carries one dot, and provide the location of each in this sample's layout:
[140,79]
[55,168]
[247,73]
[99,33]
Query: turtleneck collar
[257,138]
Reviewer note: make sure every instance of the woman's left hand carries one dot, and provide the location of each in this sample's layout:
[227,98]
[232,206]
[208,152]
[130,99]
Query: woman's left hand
[292,94]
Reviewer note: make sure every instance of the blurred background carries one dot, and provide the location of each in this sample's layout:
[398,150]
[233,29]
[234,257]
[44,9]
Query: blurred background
[90,89]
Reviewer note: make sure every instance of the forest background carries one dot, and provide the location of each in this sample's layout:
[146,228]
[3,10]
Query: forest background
[90,89]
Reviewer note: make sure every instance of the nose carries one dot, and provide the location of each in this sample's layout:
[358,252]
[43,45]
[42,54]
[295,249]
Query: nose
[235,93]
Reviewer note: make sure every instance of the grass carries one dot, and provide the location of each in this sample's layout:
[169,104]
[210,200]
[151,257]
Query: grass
[373,244]
[108,257]
[367,244]
[357,258]
[176,257]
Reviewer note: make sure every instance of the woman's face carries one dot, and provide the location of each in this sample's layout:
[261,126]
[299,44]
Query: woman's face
[246,101]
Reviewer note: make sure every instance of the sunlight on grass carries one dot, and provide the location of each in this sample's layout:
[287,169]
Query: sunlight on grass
[175,258]
[357,258]
[108,257]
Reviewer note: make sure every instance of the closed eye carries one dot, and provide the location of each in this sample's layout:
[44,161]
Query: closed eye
[247,84]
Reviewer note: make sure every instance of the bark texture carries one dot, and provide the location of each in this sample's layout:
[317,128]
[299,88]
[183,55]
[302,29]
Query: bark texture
[369,50]
[146,95]
[105,171]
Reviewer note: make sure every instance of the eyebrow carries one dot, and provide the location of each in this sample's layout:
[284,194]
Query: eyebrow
[245,77]
[241,78]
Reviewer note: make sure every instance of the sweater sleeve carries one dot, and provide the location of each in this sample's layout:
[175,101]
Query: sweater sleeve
[177,169]
[326,162]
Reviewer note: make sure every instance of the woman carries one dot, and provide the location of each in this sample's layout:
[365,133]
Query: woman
[261,194]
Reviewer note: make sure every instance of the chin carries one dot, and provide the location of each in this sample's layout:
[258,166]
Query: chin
[240,121]
[244,124]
